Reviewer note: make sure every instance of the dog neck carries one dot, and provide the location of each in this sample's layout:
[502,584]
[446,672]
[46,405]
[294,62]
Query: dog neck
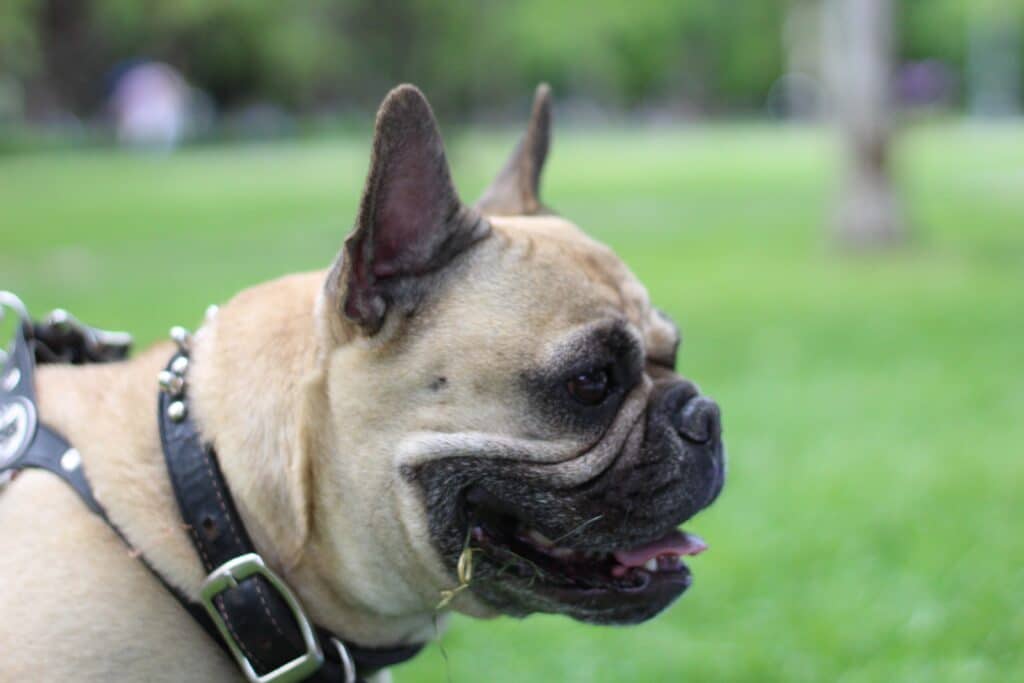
[250,364]
[258,394]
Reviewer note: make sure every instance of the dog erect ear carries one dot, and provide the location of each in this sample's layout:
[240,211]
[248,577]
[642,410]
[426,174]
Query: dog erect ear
[411,221]
[516,190]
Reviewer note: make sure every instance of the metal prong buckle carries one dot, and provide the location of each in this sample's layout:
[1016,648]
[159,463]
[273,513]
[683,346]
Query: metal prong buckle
[228,576]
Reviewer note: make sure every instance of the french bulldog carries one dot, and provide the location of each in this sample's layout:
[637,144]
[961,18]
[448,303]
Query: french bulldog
[474,409]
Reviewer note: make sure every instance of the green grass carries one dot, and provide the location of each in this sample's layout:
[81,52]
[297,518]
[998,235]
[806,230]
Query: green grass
[872,528]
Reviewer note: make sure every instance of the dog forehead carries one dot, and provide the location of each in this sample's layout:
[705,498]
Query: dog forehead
[554,248]
[539,278]
[553,243]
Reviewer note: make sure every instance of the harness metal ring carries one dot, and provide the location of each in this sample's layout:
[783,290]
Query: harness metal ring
[347,664]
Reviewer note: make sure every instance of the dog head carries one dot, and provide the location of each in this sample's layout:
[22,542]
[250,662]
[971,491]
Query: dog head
[501,391]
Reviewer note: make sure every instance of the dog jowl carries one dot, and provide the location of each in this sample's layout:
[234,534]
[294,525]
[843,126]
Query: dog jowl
[537,428]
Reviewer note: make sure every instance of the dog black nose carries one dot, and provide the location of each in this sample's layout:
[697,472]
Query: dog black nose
[700,420]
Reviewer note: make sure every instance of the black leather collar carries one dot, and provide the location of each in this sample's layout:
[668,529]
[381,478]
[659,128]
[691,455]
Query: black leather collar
[259,620]
[245,606]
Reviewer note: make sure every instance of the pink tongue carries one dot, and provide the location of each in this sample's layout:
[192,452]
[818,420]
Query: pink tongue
[676,543]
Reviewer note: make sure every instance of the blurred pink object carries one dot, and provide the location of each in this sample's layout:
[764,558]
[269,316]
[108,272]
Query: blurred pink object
[150,103]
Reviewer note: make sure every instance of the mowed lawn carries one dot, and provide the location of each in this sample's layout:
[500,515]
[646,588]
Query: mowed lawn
[872,528]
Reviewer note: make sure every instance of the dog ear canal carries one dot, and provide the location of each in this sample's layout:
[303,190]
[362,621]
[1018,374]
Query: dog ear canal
[516,190]
[411,222]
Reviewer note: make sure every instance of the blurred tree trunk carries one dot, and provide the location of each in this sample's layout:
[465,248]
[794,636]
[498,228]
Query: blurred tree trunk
[858,64]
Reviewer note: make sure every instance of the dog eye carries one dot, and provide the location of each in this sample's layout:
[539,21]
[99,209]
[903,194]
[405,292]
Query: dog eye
[590,388]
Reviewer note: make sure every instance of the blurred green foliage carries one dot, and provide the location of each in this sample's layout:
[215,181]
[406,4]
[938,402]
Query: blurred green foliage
[469,54]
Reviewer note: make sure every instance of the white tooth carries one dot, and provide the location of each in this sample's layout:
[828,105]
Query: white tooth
[651,565]
[540,539]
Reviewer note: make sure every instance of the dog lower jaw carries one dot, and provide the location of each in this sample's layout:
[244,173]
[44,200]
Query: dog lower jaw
[517,597]
[520,572]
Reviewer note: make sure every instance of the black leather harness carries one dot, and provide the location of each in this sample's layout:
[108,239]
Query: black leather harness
[244,605]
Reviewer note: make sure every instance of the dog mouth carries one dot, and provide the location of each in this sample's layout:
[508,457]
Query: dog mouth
[567,570]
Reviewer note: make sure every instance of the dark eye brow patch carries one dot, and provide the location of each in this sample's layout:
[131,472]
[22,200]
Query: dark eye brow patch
[606,344]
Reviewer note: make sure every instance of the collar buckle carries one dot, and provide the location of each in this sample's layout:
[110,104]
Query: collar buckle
[228,576]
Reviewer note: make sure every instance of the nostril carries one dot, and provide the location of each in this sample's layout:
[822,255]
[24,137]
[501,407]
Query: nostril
[700,420]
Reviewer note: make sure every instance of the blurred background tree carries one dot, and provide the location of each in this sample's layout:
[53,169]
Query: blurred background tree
[696,57]
[859,64]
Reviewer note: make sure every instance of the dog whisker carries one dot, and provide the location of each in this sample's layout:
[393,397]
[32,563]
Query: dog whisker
[578,528]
